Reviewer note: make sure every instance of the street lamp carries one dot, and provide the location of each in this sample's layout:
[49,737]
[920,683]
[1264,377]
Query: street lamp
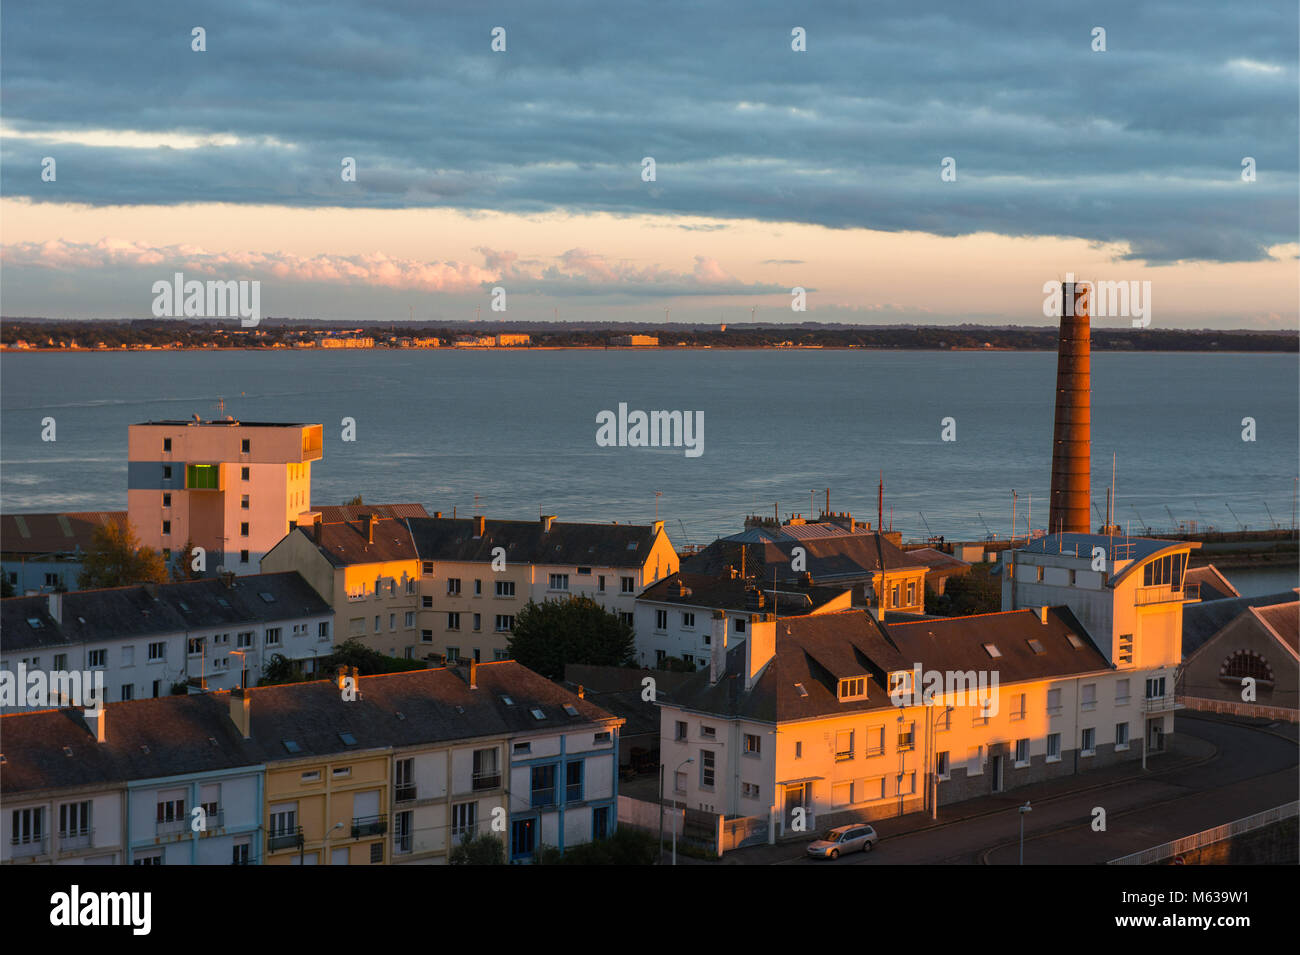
[1023,809]
[675,772]
[933,732]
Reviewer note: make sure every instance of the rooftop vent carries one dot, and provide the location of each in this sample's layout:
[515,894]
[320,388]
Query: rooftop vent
[803,690]
[1036,646]
[1074,641]
[992,650]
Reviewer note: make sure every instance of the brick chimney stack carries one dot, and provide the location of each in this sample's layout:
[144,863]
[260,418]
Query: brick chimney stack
[1072,435]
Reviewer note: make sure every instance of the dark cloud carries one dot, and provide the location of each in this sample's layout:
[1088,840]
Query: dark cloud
[1140,144]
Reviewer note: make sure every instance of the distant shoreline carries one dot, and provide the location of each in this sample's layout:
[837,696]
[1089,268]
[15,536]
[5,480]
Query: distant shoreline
[8,350]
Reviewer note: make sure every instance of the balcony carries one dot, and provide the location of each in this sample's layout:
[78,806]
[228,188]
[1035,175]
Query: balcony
[406,794]
[80,839]
[215,820]
[1161,704]
[1165,594]
[171,827]
[36,846]
[284,839]
[486,781]
[363,826]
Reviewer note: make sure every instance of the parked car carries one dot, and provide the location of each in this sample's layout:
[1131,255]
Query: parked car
[843,840]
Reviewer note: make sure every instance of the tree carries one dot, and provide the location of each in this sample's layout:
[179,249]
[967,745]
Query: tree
[354,502]
[577,630]
[484,849]
[115,558]
[184,566]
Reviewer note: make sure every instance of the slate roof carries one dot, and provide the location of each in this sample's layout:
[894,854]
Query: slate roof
[723,592]
[346,543]
[840,558]
[619,690]
[67,533]
[1213,585]
[603,545]
[336,513]
[146,609]
[189,734]
[813,653]
[1203,620]
[1284,620]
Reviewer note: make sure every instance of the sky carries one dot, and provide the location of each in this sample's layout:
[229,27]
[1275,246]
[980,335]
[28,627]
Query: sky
[916,162]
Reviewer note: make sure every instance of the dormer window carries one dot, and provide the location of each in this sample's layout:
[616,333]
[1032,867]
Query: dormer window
[854,688]
[900,681]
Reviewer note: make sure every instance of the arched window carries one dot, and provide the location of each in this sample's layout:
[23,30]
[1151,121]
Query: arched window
[1244,663]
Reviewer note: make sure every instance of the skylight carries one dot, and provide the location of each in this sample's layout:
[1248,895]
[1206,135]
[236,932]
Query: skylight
[223,601]
[803,691]
[1036,646]
[1074,641]
[348,739]
[537,713]
[267,596]
[35,623]
[992,650]
[291,746]
[507,700]
[631,545]
[570,709]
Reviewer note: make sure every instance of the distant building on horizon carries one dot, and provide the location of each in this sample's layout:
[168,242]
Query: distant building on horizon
[635,340]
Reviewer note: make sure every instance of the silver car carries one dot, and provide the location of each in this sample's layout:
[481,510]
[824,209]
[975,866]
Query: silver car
[843,840]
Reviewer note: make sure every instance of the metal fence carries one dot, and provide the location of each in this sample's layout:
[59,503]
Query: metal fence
[1209,836]
[1234,708]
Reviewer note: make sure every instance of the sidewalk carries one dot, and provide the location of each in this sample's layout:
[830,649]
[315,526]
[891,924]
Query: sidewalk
[1184,751]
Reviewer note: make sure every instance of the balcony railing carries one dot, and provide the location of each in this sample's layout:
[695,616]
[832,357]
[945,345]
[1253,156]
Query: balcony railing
[369,826]
[406,793]
[32,847]
[171,827]
[80,839]
[401,844]
[1165,594]
[486,781]
[284,839]
[1161,704]
[215,820]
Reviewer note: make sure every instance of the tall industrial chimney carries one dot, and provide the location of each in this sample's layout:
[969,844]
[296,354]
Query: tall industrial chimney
[1072,435]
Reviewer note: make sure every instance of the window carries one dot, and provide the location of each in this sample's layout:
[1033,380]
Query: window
[901,682]
[688,621]
[245,445]
[453,621]
[323,628]
[559,582]
[798,749]
[426,603]
[1121,736]
[975,761]
[894,594]
[128,691]
[167,472]
[505,588]
[600,583]
[464,820]
[1155,688]
[149,858]
[543,786]
[426,568]
[843,745]
[284,819]
[167,527]
[1022,752]
[681,730]
[28,826]
[523,749]
[244,639]
[942,765]
[478,587]
[1053,747]
[60,662]
[626,617]
[167,499]
[740,625]
[1089,744]
[243,474]
[97,658]
[195,645]
[171,810]
[239,853]
[911,592]
[453,654]
[453,586]
[392,621]
[243,557]
[907,736]
[906,784]
[505,623]
[426,636]
[376,853]
[1089,700]
[601,738]
[708,732]
[243,502]
[749,790]
[340,772]
[272,636]
[487,773]
[706,769]
[661,620]
[167,444]
[629,584]
[74,819]
[1124,655]
[753,745]
[875,741]
[573,781]
[1054,701]
[854,688]
[1121,692]
[1018,706]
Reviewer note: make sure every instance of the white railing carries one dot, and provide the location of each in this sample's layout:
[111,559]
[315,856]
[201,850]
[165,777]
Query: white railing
[1235,708]
[1209,836]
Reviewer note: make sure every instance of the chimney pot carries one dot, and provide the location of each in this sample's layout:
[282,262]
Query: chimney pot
[473,674]
[548,519]
[239,711]
[96,720]
[480,526]
[1042,615]
[371,521]
[56,607]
